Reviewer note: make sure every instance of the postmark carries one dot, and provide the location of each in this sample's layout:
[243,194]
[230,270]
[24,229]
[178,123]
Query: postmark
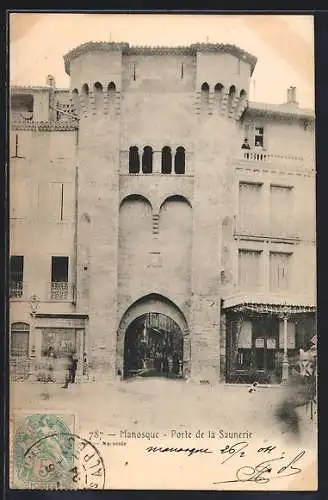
[48,456]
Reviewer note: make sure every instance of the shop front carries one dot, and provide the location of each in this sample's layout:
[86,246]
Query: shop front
[59,337]
[263,341]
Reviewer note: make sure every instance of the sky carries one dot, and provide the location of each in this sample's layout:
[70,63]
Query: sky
[283,45]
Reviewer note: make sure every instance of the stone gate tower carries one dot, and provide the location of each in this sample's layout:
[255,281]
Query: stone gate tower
[158,128]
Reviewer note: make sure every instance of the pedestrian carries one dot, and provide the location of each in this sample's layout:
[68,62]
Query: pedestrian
[85,366]
[67,364]
[74,361]
[297,394]
[50,377]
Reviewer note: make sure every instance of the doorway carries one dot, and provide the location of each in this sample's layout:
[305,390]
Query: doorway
[253,349]
[153,347]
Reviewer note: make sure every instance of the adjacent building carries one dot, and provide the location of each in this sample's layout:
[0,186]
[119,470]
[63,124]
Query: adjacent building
[146,233]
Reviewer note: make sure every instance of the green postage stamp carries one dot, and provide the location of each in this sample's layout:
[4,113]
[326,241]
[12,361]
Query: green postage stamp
[47,455]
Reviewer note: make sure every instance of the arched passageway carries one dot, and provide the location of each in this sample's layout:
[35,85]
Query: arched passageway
[153,339]
[153,346]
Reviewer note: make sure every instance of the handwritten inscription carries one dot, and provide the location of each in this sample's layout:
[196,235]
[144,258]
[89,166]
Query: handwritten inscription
[273,467]
[266,470]
[167,449]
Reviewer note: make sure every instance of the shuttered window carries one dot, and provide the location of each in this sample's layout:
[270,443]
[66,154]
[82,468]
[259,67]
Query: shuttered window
[249,269]
[250,208]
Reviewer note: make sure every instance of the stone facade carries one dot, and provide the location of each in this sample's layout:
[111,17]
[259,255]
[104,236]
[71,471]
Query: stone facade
[141,241]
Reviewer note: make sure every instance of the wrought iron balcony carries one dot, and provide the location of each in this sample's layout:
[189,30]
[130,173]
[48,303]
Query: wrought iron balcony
[16,289]
[61,290]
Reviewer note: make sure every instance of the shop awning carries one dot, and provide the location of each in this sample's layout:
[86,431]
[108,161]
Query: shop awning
[276,305]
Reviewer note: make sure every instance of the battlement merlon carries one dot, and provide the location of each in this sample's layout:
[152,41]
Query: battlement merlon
[191,50]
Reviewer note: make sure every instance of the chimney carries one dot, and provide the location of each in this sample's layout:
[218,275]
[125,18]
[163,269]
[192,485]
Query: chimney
[291,95]
[51,82]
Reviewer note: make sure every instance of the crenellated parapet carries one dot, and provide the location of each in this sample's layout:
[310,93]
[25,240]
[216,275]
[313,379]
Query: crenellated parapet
[191,50]
[219,101]
[100,98]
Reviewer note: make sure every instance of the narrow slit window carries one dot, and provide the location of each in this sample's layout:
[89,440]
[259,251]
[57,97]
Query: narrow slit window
[62,202]
[182,71]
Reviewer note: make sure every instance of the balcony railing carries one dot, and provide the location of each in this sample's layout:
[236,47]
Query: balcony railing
[267,157]
[61,290]
[16,289]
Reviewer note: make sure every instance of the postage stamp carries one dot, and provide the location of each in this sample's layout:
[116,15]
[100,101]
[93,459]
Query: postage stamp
[47,455]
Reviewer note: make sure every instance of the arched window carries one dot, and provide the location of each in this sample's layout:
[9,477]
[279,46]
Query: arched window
[205,91]
[97,88]
[98,93]
[218,90]
[218,93]
[166,160]
[111,88]
[19,339]
[243,94]
[147,160]
[85,93]
[134,160]
[75,99]
[85,89]
[232,93]
[180,161]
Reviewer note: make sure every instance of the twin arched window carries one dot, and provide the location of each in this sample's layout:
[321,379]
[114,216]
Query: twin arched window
[179,160]
[147,160]
[134,160]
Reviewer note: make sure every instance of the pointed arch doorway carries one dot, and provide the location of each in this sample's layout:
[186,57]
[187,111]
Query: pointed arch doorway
[153,340]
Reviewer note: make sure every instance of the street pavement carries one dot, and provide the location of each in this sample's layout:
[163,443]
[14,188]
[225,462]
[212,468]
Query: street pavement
[162,404]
